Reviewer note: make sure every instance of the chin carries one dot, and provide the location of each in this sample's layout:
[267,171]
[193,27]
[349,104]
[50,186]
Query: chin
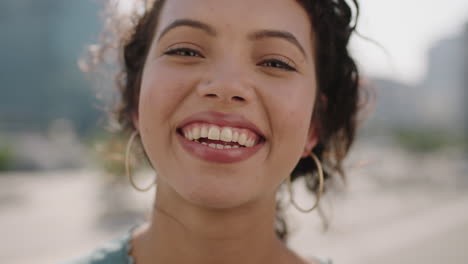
[217,196]
[216,202]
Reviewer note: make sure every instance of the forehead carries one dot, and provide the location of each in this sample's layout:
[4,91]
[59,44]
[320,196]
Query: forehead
[242,16]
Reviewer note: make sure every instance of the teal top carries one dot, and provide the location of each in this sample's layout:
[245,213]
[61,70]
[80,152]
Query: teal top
[117,252]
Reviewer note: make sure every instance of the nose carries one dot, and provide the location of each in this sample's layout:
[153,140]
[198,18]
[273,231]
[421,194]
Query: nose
[226,85]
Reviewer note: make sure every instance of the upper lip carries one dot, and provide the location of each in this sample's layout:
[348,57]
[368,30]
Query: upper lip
[222,120]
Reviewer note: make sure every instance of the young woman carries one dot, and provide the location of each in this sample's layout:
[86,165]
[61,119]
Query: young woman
[229,100]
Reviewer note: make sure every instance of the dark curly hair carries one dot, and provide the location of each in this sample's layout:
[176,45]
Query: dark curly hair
[336,110]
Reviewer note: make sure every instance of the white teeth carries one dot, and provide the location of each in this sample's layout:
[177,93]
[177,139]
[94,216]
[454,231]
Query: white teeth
[213,133]
[242,139]
[204,132]
[235,136]
[217,146]
[226,134]
[196,133]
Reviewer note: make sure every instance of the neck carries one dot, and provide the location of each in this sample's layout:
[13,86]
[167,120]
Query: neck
[180,232]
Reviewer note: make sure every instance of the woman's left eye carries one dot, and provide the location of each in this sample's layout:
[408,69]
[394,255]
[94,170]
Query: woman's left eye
[276,63]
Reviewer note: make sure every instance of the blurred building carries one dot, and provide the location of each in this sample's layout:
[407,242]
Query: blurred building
[395,104]
[41,42]
[466,83]
[438,101]
[46,103]
[444,86]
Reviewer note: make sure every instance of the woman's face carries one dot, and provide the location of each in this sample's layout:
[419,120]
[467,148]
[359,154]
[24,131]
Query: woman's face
[226,98]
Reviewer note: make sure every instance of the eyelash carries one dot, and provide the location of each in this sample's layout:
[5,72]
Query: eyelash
[283,65]
[186,52]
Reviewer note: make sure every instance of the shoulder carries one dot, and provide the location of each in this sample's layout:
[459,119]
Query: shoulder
[114,252]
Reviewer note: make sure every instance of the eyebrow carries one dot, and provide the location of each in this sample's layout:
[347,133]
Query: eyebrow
[278,34]
[257,35]
[188,23]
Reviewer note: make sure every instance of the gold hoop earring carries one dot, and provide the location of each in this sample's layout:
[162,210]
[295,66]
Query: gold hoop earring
[127,164]
[320,190]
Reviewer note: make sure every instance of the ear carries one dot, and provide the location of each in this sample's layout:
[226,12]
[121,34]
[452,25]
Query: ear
[312,139]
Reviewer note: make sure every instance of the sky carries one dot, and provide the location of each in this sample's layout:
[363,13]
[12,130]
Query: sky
[407,29]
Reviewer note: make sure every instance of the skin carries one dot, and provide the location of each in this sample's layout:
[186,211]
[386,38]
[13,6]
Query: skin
[207,212]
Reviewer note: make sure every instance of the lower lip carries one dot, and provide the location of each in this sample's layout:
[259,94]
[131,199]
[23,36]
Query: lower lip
[218,155]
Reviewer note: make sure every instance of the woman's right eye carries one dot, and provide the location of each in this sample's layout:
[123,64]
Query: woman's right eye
[185,52]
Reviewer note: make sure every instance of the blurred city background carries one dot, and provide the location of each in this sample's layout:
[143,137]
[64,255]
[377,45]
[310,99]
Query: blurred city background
[407,196]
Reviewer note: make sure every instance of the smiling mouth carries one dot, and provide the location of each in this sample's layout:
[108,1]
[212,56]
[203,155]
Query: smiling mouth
[218,137]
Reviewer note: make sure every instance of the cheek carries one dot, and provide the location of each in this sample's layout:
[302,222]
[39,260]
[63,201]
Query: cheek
[161,94]
[291,106]
[293,124]
[290,114]
[161,89]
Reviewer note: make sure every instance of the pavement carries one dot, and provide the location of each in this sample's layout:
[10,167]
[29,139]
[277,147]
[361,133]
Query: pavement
[386,215]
